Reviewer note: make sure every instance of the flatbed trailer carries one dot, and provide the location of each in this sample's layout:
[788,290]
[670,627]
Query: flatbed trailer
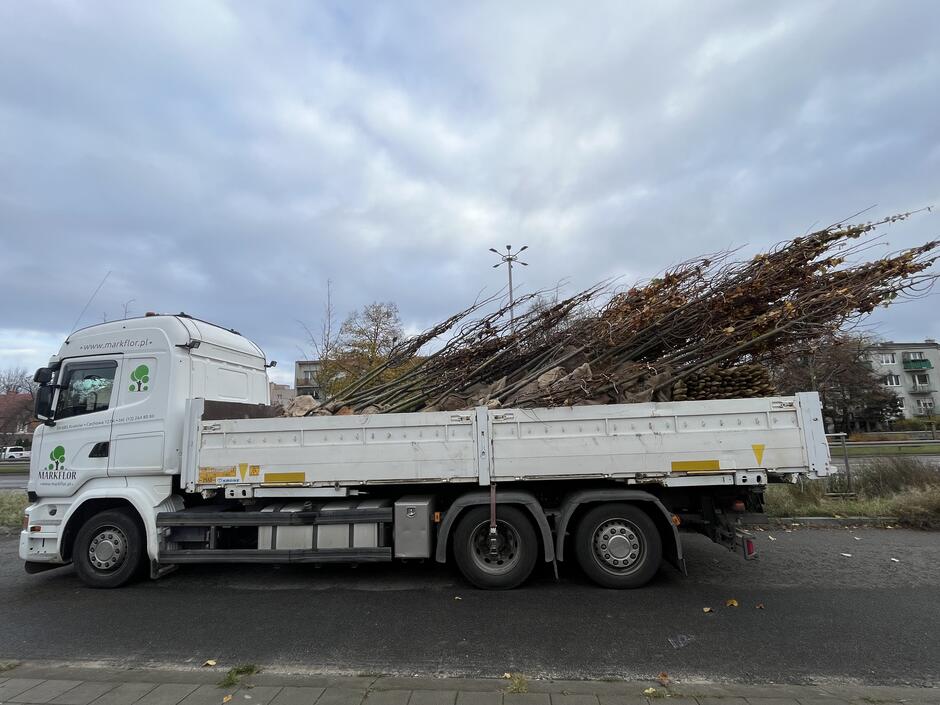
[494,490]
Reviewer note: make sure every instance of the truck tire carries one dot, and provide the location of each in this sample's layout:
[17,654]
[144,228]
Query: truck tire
[618,546]
[516,554]
[109,549]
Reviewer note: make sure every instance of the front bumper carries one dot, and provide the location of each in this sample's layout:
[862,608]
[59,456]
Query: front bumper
[40,540]
[39,548]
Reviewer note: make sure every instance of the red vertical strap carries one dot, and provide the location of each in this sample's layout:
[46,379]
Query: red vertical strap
[492,507]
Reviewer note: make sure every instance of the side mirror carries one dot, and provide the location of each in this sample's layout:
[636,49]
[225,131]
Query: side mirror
[43,375]
[43,408]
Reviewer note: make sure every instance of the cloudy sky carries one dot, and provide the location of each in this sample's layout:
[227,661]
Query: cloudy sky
[226,159]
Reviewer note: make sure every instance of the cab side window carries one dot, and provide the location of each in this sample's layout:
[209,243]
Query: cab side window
[85,388]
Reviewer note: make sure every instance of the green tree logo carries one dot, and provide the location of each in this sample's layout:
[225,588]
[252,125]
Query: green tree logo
[139,378]
[57,456]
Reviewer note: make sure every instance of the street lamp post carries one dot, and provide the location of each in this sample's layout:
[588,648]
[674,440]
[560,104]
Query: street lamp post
[508,258]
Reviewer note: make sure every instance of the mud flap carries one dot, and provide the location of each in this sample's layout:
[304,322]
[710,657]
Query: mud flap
[745,544]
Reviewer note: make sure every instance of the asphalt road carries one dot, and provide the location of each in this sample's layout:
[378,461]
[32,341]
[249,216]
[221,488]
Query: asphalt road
[13,481]
[863,617]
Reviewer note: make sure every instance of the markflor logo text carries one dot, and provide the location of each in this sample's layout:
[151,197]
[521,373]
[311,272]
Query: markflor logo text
[56,469]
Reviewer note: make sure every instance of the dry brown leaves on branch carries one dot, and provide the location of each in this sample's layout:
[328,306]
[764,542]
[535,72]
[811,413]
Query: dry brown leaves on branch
[700,331]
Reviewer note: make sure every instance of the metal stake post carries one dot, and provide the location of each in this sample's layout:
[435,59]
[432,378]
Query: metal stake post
[848,468]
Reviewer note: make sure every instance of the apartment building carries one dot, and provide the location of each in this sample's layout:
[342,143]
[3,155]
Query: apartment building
[281,394]
[305,377]
[910,370]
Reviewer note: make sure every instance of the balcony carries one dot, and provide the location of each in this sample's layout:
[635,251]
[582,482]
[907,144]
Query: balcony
[915,365]
[923,389]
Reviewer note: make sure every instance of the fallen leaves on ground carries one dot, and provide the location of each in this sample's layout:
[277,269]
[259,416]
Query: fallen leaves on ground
[209,662]
[663,679]
[731,603]
[226,698]
[759,606]
[706,610]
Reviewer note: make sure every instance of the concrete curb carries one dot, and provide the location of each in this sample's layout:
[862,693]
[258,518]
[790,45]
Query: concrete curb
[831,522]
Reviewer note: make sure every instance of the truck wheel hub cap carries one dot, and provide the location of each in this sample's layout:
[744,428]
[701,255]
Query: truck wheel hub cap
[108,548]
[617,545]
[507,548]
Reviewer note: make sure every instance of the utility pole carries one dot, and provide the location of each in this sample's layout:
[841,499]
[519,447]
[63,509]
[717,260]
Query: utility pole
[126,305]
[508,258]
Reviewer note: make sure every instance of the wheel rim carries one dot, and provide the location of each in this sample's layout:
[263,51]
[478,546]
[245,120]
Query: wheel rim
[508,546]
[108,549]
[619,547]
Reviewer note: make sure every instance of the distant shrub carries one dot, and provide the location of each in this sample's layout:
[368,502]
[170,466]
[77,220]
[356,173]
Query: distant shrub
[886,477]
[902,487]
[12,504]
[918,508]
[920,424]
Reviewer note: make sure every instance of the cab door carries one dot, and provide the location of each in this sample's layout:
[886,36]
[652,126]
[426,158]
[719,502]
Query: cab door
[75,448]
[138,437]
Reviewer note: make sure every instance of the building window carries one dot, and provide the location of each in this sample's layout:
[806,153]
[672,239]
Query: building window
[924,405]
[921,379]
[886,359]
[918,355]
[892,381]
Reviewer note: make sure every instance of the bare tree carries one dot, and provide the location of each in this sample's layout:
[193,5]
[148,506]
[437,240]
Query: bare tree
[16,380]
[324,346]
[838,367]
[16,409]
[367,336]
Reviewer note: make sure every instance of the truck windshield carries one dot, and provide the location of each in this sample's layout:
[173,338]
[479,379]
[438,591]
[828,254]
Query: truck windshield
[86,388]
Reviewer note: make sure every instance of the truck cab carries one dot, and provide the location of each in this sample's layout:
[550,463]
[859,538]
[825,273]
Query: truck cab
[110,401]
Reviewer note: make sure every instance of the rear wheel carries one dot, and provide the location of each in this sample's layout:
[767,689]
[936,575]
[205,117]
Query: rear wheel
[618,546]
[109,549]
[505,565]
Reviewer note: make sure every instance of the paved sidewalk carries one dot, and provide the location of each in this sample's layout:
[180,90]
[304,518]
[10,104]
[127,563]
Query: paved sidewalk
[32,684]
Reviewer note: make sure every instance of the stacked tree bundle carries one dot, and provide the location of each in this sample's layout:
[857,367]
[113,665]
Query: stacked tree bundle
[701,330]
[737,382]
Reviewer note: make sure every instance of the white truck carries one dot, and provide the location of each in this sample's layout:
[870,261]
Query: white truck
[158,449]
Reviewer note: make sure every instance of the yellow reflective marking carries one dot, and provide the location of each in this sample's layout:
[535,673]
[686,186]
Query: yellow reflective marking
[284,477]
[242,469]
[254,470]
[695,465]
[758,449]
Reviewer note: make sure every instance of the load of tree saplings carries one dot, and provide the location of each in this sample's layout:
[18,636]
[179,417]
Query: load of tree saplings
[708,328]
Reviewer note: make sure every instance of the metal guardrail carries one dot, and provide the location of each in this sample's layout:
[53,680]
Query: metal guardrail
[899,444]
[927,434]
[840,441]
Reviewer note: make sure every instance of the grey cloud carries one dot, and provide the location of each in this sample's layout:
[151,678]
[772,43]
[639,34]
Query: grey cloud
[227,159]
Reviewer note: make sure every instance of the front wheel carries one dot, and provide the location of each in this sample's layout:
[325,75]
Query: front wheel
[618,546]
[501,565]
[109,550]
